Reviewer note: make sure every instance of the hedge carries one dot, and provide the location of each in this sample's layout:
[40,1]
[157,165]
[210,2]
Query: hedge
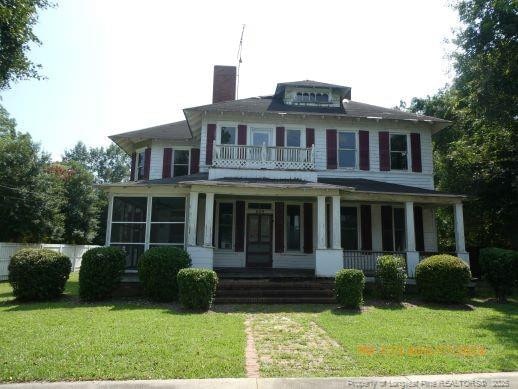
[349,284]
[197,287]
[391,277]
[158,268]
[101,272]
[443,278]
[500,269]
[38,274]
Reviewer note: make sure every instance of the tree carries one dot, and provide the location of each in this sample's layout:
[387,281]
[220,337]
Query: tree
[17,19]
[478,154]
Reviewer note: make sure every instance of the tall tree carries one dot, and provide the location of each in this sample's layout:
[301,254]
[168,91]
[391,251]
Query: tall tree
[17,20]
[478,154]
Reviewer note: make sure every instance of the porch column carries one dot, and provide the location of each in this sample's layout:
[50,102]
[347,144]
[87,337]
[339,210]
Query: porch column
[460,243]
[321,223]
[109,220]
[412,256]
[193,219]
[327,260]
[335,212]
[209,216]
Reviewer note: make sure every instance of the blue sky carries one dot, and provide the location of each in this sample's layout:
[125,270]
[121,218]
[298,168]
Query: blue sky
[119,65]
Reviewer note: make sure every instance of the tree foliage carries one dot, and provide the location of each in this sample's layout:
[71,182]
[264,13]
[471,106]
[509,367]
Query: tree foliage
[17,19]
[478,154]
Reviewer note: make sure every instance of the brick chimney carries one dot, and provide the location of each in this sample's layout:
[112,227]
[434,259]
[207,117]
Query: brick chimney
[224,86]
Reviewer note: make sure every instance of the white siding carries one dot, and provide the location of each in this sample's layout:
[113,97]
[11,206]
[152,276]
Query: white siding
[229,258]
[157,156]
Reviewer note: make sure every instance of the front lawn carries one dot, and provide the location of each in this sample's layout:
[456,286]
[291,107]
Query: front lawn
[135,339]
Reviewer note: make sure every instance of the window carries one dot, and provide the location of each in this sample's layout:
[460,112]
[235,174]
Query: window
[293,227]
[181,163]
[293,138]
[141,161]
[128,229]
[167,221]
[347,150]
[322,98]
[225,223]
[349,227]
[399,229]
[228,135]
[398,152]
[261,136]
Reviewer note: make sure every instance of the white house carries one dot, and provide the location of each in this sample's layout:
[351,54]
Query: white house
[305,178]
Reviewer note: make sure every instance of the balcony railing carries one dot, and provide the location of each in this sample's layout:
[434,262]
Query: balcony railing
[263,157]
[366,260]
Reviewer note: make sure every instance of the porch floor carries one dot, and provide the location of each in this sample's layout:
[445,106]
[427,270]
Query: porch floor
[265,273]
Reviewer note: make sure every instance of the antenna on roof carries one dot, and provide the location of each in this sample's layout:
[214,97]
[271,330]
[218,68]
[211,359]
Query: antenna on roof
[239,60]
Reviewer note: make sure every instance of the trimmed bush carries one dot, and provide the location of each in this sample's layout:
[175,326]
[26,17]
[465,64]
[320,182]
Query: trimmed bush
[38,274]
[443,279]
[196,288]
[391,277]
[500,269]
[158,268]
[101,272]
[349,284]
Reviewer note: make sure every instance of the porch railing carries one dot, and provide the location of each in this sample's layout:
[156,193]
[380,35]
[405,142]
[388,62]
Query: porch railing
[263,157]
[366,260]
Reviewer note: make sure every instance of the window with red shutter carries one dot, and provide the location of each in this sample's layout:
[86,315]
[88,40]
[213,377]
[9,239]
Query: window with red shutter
[331,149]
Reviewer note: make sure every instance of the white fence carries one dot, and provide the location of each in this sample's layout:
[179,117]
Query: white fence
[74,252]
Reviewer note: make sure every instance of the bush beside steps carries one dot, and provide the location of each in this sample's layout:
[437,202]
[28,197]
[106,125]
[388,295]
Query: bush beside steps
[197,287]
[391,277]
[38,274]
[349,285]
[500,269]
[101,272]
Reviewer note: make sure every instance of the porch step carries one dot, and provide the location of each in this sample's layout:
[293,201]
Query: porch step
[267,291]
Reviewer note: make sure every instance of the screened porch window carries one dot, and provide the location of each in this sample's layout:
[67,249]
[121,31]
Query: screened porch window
[398,152]
[293,227]
[347,150]
[128,228]
[225,223]
[167,221]
[349,227]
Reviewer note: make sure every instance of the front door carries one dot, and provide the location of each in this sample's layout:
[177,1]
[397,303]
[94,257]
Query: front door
[259,240]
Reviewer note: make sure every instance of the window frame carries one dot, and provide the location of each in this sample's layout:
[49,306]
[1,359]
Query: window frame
[302,137]
[356,152]
[301,229]
[188,161]
[358,224]
[216,232]
[151,223]
[261,128]
[222,125]
[408,156]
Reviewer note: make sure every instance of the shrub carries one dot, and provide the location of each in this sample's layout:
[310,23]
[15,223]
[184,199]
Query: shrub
[196,288]
[38,274]
[391,277]
[101,272]
[349,284]
[500,269]
[158,268]
[443,278]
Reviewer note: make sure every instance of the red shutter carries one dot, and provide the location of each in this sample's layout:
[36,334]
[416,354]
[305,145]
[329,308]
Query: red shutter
[166,165]
[415,143]
[241,134]
[147,163]
[308,228]
[279,136]
[364,150]
[195,161]
[239,233]
[386,228]
[279,227]
[133,163]
[310,137]
[211,136]
[331,149]
[366,228]
[384,140]
[418,228]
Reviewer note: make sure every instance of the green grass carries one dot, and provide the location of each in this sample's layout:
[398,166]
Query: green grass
[69,340]
[134,339]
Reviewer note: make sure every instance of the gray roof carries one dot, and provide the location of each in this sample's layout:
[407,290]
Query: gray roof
[350,109]
[170,131]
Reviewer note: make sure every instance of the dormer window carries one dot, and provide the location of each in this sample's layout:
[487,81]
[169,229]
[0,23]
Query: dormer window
[312,97]
[322,98]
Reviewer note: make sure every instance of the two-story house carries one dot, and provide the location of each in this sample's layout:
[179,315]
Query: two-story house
[305,178]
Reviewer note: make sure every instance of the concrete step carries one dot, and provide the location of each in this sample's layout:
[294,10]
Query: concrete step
[275,293]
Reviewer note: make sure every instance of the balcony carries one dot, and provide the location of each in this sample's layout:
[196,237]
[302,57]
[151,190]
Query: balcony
[263,157]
